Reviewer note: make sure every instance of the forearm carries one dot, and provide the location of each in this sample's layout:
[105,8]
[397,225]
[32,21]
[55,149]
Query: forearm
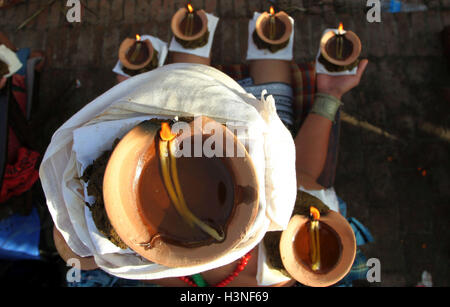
[312,146]
[313,137]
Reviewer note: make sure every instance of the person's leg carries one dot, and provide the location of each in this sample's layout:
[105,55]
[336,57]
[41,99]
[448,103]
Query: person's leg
[275,77]
[181,57]
[268,71]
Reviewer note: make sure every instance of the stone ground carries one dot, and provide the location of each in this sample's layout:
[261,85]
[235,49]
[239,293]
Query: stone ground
[398,188]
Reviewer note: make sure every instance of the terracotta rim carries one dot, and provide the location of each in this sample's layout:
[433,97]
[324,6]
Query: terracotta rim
[299,271]
[352,37]
[126,45]
[121,204]
[178,18]
[264,18]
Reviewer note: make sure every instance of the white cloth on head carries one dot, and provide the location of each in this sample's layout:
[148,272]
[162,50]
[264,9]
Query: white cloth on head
[172,90]
[204,51]
[157,44]
[253,53]
[10,58]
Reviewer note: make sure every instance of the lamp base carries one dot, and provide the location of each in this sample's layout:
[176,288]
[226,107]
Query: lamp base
[152,65]
[198,43]
[260,44]
[336,68]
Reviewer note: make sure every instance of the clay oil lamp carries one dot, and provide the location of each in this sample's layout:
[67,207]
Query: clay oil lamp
[137,56]
[272,30]
[318,250]
[179,211]
[190,27]
[340,51]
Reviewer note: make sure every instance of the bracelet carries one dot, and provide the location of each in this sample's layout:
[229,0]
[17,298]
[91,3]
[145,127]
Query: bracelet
[326,105]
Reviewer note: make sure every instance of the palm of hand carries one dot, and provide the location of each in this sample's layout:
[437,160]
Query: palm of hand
[339,85]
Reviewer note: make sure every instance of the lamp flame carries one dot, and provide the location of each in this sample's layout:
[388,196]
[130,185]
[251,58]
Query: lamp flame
[272,10]
[138,37]
[314,212]
[166,133]
[341,28]
[190,8]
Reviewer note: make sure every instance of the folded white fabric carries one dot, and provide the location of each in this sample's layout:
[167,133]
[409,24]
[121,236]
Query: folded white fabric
[204,51]
[89,143]
[172,90]
[320,69]
[10,58]
[159,46]
[253,53]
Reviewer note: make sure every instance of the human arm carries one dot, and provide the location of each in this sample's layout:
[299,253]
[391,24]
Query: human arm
[312,140]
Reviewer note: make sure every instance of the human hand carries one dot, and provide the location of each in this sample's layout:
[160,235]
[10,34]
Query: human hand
[337,86]
[2,82]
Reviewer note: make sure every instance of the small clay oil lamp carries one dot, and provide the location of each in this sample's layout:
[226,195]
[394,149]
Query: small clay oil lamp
[179,211]
[190,27]
[272,31]
[137,55]
[318,250]
[340,51]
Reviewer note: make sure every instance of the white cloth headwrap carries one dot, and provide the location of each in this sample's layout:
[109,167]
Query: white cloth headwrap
[173,90]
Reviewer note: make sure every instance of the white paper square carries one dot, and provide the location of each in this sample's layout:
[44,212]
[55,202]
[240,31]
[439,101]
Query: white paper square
[253,53]
[10,58]
[157,44]
[320,69]
[204,51]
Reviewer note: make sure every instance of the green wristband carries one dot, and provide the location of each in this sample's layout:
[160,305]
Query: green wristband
[326,105]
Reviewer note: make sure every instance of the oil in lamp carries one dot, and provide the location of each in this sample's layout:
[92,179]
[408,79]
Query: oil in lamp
[272,30]
[339,50]
[190,27]
[179,211]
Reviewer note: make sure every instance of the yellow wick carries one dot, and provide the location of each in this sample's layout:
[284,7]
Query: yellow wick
[172,183]
[315,245]
[182,207]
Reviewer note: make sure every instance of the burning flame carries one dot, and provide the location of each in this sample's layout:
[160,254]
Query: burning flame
[138,37]
[190,8]
[272,11]
[341,28]
[314,213]
[166,133]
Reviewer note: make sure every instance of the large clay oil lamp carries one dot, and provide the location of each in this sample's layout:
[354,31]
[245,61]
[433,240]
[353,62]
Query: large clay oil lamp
[181,211]
[272,30]
[137,56]
[340,51]
[190,27]
[318,250]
